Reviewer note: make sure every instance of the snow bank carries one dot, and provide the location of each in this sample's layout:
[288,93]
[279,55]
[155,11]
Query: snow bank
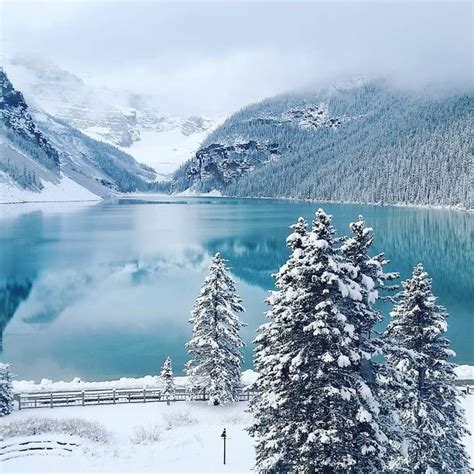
[465,372]
[192,193]
[65,190]
[77,384]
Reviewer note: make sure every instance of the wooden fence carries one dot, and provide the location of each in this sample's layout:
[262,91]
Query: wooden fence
[116,396]
[108,397]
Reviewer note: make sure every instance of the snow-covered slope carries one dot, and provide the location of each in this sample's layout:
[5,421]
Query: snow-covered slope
[121,118]
[167,148]
[65,189]
[44,159]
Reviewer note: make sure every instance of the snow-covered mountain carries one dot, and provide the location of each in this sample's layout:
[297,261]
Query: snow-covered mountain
[121,118]
[43,158]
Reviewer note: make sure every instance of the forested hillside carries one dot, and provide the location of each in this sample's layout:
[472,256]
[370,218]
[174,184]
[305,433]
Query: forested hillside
[368,143]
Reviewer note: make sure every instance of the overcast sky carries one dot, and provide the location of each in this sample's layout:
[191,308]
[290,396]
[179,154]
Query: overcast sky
[214,57]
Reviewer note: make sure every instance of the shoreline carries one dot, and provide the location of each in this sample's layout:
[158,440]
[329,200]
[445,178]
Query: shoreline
[465,376]
[218,195]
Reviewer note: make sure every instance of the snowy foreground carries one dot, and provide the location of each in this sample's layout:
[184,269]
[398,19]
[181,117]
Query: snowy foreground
[183,437]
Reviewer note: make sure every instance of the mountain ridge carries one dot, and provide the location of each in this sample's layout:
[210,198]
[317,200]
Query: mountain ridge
[125,119]
[43,156]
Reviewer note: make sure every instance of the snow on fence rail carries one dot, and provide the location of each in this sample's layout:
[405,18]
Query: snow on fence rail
[116,396]
[109,397]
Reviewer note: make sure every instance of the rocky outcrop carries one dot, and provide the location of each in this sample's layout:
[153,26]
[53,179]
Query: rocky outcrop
[17,120]
[217,165]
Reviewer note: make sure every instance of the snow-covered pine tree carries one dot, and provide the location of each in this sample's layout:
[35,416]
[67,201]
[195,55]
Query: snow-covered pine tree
[167,379]
[369,273]
[6,390]
[216,346]
[432,417]
[315,412]
[372,279]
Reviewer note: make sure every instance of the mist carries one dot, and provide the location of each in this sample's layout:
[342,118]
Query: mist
[213,58]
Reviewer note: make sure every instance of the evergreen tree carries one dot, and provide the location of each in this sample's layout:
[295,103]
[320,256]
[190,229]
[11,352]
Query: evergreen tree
[216,345]
[167,379]
[372,279]
[6,390]
[315,411]
[430,410]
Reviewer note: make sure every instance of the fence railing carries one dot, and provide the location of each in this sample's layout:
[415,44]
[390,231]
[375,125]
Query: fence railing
[110,397]
[116,396]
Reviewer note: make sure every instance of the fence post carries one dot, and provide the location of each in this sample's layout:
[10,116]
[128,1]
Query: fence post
[19,402]
[51,400]
[83,401]
[144,395]
[204,394]
[114,394]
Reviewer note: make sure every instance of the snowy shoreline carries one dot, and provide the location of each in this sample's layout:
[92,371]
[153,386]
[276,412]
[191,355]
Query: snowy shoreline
[463,372]
[324,201]
[77,384]
[218,194]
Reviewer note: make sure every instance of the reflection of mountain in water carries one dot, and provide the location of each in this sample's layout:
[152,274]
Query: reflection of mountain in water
[413,235]
[54,292]
[407,236]
[11,295]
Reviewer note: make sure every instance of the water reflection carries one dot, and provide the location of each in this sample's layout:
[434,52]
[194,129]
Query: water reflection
[106,291]
[11,295]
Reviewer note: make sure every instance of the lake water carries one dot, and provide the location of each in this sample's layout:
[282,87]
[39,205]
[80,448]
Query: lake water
[105,290]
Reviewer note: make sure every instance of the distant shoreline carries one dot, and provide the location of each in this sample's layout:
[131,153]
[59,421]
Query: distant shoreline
[216,195]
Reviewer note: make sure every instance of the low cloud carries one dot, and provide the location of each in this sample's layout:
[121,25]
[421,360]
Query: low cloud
[216,57]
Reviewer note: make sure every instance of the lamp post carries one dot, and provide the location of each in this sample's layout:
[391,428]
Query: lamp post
[224,437]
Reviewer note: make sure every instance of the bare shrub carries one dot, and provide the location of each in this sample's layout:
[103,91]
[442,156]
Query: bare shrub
[146,434]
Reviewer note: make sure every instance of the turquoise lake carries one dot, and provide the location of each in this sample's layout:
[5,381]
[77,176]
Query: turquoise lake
[104,290]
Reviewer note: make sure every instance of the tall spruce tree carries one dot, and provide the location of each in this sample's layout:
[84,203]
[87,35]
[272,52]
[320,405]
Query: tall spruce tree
[6,390]
[374,283]
[371,277]
[216,345]
[315,411]
[167,379]
[430,411]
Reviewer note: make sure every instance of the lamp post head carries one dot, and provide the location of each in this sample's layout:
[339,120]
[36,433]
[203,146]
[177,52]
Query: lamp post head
[224,434]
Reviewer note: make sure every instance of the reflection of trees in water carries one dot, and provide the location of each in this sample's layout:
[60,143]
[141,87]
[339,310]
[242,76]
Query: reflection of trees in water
[11,295]
[253,258]
[442,240]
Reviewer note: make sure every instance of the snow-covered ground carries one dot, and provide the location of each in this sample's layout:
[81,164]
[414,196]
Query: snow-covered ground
[65,190]
[183,437]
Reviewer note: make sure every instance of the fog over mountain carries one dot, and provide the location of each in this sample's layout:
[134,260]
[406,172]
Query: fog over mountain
[213,58]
